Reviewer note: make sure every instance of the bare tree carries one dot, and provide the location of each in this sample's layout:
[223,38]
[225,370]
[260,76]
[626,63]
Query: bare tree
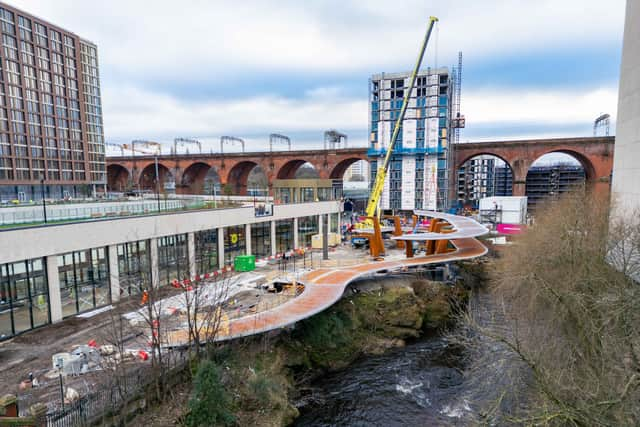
[203,308]
[567,318]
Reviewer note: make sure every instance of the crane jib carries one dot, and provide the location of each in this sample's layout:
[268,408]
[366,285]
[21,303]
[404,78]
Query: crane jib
[377,188]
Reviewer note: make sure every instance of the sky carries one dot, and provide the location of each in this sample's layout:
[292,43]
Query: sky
[203,68]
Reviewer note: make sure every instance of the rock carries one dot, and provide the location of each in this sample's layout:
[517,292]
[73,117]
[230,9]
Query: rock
[71,395]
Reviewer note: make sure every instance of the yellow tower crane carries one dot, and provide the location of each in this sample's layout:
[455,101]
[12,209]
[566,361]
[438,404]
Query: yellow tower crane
[376,190]
[372,217]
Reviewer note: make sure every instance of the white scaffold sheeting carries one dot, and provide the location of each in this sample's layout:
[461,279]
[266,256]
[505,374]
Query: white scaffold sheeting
[430,183]
[408,134]
[408,183]
[383,133]
[432,132]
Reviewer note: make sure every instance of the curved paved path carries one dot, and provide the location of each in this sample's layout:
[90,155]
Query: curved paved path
[324,286]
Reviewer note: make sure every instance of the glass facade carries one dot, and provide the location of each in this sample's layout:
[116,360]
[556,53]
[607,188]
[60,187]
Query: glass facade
[173,259]
[134,267]
[325,194]
[284,235]
[307,227]
[234,243]
[306,194]
[333,222]
[261,239]
[206,243]
[84,280]
[24,297]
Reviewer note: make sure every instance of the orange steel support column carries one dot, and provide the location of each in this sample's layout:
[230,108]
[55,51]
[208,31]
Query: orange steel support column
[442,245]
[409,248]
[431,244]
[376,245]
[397,229]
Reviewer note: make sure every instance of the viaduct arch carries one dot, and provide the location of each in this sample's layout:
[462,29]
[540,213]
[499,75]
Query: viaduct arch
[595,154]
[190,171]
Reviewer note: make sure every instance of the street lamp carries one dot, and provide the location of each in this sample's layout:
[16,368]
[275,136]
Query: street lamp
[215,188]
[59,364]
[44,202]
[157,184]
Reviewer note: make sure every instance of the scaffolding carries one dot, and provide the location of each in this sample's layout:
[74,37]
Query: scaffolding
[456,122]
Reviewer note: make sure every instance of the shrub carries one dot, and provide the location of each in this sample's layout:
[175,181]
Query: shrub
[210,404]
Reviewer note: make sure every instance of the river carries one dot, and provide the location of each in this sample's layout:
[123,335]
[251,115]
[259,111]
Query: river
[426,383]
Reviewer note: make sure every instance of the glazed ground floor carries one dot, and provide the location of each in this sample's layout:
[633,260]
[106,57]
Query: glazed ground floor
[65,270]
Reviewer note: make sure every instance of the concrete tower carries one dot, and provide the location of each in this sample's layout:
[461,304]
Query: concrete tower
[626,164]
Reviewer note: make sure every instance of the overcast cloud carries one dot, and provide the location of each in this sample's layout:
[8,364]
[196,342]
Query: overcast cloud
[207,68]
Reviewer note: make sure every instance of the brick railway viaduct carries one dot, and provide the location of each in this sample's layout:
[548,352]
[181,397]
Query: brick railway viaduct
[595,154]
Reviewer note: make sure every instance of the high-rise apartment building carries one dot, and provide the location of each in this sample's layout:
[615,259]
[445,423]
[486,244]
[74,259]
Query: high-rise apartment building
[476,180]
[418,176]
[503,181]
[552,181]
[357,170]
[51,135]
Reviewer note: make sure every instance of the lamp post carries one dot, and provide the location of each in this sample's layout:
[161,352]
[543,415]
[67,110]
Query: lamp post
[59,364]
[157,184]
[44,202]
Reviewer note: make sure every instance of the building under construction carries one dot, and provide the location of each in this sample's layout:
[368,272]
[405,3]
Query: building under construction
[476,180]
[551,181]
[418,175]
[480,178]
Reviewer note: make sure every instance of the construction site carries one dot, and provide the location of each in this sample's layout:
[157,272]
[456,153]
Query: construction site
[179,249]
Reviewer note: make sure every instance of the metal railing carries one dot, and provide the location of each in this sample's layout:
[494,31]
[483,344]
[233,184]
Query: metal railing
[65,212]
[89,409]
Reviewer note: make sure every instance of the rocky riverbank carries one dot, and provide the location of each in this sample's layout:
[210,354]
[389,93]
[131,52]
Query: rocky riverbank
[267,378]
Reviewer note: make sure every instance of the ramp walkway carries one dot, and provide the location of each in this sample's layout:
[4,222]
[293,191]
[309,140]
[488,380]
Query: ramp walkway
[324,287]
